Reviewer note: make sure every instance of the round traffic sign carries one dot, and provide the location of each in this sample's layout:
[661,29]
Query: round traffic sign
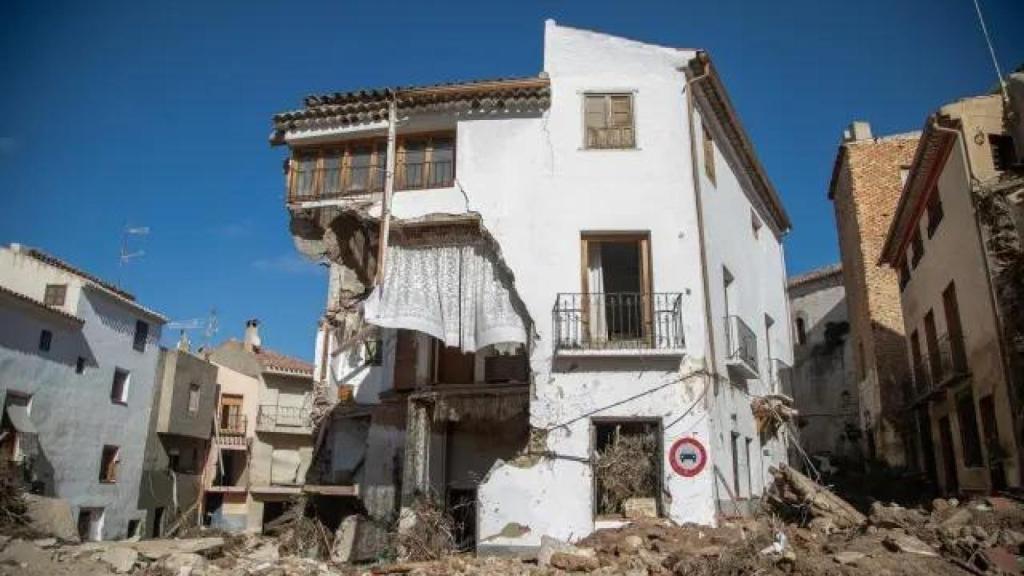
[688,456]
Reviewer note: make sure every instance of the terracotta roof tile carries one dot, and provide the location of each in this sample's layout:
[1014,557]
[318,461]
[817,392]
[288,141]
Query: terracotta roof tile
[271,360]
[37,304]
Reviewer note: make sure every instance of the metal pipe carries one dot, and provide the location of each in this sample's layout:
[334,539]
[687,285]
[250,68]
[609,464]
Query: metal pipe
[389,188]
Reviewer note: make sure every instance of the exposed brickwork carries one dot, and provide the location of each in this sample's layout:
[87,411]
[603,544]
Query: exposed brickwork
[865,190]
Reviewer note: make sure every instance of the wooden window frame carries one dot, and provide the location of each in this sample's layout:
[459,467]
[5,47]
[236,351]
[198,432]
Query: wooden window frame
[377,167]
[607,97]
[643,239]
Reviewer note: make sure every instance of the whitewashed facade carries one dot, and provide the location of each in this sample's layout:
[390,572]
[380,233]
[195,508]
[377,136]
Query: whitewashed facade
[708,266]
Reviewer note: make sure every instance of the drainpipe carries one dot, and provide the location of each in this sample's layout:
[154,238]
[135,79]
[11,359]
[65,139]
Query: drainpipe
[709,339]
[389,188]
[961,143]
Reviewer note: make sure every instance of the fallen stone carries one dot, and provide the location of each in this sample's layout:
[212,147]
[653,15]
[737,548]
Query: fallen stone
[908,544]
[121,559]
[958,519]
[576,561]
[45,542]
[1001,504]
[267,553]
[1003,559]
[180,563]
[157,549]
[940,504]
[548,547]
[344,540]
[636,508]
[848,557]
[630,544]
[51,516]
[887,516]
[21,553]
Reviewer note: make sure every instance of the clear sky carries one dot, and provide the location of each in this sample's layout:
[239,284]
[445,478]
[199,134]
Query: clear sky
[158,114]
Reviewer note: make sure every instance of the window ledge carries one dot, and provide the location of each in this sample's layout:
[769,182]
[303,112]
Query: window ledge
[619,353]
[119,402]
[632,149]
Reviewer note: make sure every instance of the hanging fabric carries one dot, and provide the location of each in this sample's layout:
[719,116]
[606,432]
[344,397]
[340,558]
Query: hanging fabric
[452,292]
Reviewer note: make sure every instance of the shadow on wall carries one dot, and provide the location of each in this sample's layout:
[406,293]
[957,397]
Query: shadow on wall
[78,347]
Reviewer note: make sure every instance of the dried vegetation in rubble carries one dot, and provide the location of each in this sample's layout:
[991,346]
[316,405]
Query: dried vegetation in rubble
[623,471]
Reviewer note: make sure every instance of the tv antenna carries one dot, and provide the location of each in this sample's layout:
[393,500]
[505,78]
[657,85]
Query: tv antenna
[127,255]
[208,326]
[992,53]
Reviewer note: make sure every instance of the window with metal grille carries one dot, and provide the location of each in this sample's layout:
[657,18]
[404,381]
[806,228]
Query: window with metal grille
[608,121]
[55,294]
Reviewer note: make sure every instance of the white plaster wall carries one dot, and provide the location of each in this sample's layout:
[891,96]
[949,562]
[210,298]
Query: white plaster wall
[26,275]
[73,412]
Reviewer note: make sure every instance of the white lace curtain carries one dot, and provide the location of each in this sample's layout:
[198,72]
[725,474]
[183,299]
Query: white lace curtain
[452,293]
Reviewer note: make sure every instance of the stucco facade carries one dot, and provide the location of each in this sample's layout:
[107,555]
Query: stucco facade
[823,382]
[73,407]
[961,389]
[541,194]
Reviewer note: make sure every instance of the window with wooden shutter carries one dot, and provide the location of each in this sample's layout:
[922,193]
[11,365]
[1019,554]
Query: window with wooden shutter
[55,294]
[608,120]
[709,154]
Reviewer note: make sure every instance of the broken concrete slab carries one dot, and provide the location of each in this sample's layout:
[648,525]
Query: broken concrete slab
[157,549]
[577,560]
[182,563]
[548,547]
[848,557]
[122,560]
[908,544]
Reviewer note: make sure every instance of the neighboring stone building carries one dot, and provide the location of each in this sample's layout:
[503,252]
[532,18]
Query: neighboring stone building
[278,441]
[823,383]
[865,187]
[78,363]
[180,427]
[956,250]
[574,263]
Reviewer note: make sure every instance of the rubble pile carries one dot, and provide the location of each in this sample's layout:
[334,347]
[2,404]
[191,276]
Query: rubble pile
[805,530]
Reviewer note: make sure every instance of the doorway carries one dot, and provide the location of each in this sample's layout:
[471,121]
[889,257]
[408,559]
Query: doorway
[948,456]
[616,287]
[90,524]
[158,522]
[626,464]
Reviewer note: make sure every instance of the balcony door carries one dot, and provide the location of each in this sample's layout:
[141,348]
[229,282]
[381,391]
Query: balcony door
[616,282]
[231,413]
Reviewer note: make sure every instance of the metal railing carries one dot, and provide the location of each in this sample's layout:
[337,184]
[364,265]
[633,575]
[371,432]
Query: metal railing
[233,425]
[740,342]
[272,417]
[780,377]
[618,321]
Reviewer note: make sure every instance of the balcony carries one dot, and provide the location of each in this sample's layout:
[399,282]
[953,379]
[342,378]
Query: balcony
[284,419]
[358,169]
[780,375]
[935,372]
[618,324]
[231,431]
[740,348]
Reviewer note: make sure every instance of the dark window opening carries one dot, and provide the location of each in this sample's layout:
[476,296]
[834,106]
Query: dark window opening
[935,212]
[80,365]
[918,247]
[45,340]
[1003,156]
[904,271]
[55,294]
[109,462]
[969,437]
[801,331]
[141,335]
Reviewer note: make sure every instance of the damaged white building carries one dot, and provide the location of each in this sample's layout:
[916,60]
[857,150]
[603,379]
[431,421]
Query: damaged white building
[573,265]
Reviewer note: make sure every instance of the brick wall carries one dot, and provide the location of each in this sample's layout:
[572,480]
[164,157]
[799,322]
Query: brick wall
[865,191]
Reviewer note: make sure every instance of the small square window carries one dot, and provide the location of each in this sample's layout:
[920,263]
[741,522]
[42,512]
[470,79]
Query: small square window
[80,365]
[45,340]
[141,335]
[608,121]
[109,462]
[373,353]
[55,294]
[193,398]
[119,388]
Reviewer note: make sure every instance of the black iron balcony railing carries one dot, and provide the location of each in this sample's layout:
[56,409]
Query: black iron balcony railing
[618,321]
[780,377]
[740,342]
[952,359]
[232,425]
[272,418]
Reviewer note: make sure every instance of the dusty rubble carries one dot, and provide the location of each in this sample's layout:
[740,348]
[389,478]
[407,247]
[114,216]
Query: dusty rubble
[805,529]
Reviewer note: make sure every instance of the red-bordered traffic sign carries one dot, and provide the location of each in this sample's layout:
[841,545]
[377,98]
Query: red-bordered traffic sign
[687,456]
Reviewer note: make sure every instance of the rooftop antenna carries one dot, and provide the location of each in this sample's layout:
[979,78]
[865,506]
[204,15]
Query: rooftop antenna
[126,255]
[992,52]
[208,325]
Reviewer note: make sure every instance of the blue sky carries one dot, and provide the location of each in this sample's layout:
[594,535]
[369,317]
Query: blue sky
[158,114]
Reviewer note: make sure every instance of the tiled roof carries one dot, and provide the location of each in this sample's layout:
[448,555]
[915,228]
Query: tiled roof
[92,280]
[275,361]
[816,274]
[364,106]
[37,304]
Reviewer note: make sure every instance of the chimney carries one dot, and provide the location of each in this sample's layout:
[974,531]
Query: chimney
[858,130]
[252,335]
